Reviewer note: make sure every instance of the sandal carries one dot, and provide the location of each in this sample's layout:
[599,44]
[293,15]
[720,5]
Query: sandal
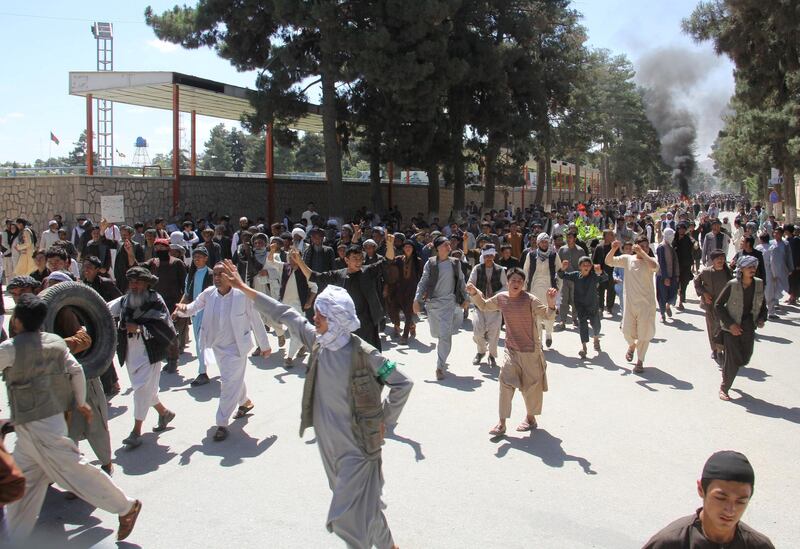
[629,355]
[597,345]
[498,431]
[243,411]
[638,369]
[582,353]
[128,521]
[526,426]
[724,396]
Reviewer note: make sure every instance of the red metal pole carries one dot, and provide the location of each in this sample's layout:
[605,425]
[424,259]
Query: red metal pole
[89,136]
[176,150]
[193,164]
[408,176]
[390,169]
[270,172]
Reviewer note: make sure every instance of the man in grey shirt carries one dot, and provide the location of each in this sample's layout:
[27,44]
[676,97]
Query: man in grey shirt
[442,289]
[572,253]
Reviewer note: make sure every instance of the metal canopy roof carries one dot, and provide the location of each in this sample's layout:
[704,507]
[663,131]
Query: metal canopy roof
[154,89]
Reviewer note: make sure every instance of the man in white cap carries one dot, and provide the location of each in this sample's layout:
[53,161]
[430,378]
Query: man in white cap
[342,401]
[490,278]
[225,340]
[540,270]
[442,289]
[49,236]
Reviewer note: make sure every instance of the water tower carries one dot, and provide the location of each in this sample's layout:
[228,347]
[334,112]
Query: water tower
[140,156]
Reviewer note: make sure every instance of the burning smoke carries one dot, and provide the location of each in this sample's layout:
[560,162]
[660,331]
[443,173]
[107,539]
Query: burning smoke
[669,76]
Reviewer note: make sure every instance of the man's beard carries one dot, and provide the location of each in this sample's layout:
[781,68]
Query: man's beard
[136,299]
[544,249]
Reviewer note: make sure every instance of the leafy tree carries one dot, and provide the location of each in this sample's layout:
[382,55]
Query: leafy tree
[77,156]
[289,42]
[237,145]
[763,41]
[217,155]
[310,154]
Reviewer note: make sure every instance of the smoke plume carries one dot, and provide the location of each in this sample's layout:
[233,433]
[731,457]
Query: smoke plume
[670,76]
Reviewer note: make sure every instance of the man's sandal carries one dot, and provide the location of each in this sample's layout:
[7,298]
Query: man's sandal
[629,356]
[724,396]
[526,426]
[128,521]
[498,431]
[243,411]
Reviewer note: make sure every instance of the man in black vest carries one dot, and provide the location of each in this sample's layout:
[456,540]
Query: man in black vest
[489,278]
[540,269]
[605,288]
[130,254]
[297,292]
[361,283]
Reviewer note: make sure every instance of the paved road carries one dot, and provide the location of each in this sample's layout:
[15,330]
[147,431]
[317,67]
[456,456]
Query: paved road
[615,459]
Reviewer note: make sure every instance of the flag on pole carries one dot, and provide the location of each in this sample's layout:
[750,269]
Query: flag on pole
[54,139]
[120,154]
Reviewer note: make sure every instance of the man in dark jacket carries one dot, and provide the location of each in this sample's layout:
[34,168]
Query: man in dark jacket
[725,486]
[99,246]
[361,283]
[130,254]
[684,248]
[605,288]
[170,281]
[90,274]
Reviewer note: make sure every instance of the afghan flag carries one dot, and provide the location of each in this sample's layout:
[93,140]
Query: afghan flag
[54,139]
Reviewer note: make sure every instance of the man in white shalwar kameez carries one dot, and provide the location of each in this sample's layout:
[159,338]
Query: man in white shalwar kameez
[639,311]
[225,339]
[350,450]
[491,279]
[43,451]
[145,333]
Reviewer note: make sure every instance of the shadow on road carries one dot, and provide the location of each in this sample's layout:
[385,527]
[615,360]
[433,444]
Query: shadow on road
[554,357]
[461,383]
[202,393]
[654,376]
[489,372]
[763,408]
[684,326]
[146,458]
[170,381]
[753,374]
[233,450]
[414,345]
[773,339]
[115,411]
[545,446]
[416,446]
[62,519]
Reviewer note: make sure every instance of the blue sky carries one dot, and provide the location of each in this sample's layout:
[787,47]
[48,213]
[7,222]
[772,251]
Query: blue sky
[44,40]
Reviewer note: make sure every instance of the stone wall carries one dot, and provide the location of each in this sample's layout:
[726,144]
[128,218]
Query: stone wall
[39,198]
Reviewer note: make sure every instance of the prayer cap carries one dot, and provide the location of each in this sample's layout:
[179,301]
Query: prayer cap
[23,282]
[379,229]
[715,254]
[260,236]
[716,221]
[200,250]
[399,237]
[315,230]
[141,273]
[370,242]
[276,240]
[52,222]
[729,465]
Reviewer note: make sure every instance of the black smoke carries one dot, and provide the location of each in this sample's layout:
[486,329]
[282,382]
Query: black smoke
[669,76]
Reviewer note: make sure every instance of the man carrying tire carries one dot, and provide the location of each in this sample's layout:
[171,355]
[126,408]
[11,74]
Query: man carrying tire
[95,431]
[145,333]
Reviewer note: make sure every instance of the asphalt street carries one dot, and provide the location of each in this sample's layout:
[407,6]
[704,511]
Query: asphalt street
[615,458]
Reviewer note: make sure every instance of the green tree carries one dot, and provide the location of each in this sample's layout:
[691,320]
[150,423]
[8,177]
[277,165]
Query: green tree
[237,145]
[764,44]
[77,156]
[217,153]
[310,154]
[289,42]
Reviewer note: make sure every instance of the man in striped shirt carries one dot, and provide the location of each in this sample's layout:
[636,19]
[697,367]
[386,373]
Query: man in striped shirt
[523,365]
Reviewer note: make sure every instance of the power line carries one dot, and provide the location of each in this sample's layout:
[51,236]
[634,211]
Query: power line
[54,18]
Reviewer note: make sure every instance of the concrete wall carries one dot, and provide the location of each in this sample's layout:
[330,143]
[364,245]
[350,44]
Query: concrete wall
[39,198]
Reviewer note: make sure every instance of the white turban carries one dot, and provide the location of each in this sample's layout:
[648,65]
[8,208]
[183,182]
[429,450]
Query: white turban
[669,235]
[542,236]
[300,232]
[336,305]
[488,250]
[176,237]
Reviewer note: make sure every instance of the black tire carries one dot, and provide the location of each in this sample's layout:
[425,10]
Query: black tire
[93,314]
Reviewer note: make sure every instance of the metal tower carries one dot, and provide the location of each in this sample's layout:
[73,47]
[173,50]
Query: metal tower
[140,157]
[104,34]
